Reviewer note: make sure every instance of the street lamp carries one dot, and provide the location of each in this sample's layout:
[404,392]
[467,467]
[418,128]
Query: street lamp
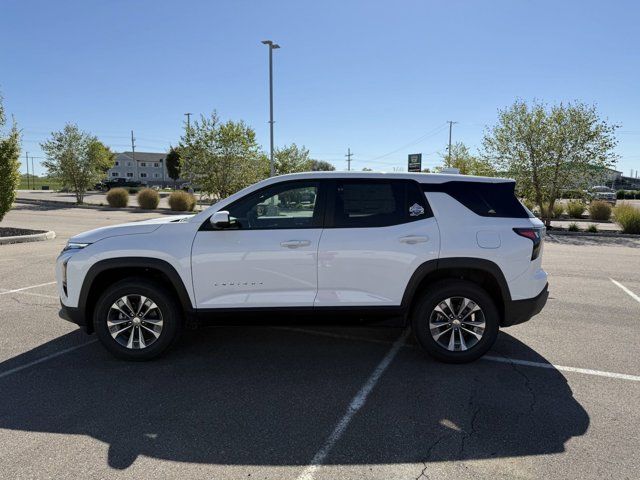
[272,46]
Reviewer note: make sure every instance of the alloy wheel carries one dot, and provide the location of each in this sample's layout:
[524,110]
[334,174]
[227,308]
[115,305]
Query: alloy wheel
[457,324]
[135,321]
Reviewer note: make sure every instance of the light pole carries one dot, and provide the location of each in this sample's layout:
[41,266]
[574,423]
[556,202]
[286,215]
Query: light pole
[272,46]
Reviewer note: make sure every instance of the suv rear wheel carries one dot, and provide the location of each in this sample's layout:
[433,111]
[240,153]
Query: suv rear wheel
[455,321]
[136,319]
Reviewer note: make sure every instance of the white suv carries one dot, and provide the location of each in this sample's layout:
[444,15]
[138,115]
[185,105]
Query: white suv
[456,257]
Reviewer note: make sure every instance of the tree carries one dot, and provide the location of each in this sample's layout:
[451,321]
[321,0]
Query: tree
[223,157]
[77,159]
[291,159]
[468,164]
[548,149]
[102,156]
[9,164]
[321,166]
[174,164]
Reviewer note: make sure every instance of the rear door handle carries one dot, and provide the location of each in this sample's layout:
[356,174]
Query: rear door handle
[295,243]
[413,239]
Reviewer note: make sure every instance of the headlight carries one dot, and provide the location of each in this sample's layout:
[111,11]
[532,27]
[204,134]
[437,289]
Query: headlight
[74,246]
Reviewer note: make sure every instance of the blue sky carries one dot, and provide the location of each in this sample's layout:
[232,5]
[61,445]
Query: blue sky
[378,77]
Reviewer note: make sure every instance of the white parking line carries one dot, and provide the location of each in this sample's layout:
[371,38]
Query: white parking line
[33,294]
[626,290]
[356,404]
[488,358]
[45,358]
[5,292]
[550,366]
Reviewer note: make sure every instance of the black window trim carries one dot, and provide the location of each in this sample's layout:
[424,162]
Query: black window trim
[332,187]
[446,187]
[321,201]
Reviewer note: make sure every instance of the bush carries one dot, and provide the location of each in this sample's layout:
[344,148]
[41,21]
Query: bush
[148,199]
[628,217]
[599,210]
[575,208]
[133,190]
[558,209]
[593,228]
[118,197]
[181,201]
[573,227]
[620,194]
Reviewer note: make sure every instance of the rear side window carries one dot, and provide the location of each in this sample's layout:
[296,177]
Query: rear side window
[367,203]
[484,199]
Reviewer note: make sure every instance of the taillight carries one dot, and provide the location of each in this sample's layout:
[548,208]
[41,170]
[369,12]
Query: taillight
[535,235]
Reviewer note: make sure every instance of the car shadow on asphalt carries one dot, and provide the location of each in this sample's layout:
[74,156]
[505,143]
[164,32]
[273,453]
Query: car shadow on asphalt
[262,396]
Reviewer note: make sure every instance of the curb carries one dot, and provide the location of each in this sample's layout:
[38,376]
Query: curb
[36,237]
[589,234]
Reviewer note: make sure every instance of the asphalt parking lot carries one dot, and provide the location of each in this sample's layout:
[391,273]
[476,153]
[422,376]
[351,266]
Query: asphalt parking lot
[556,398]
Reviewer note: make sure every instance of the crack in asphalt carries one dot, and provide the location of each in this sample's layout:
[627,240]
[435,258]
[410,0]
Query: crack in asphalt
[423,473]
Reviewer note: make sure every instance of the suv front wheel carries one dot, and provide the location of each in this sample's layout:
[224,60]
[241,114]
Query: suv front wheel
[136,319]
[456,321]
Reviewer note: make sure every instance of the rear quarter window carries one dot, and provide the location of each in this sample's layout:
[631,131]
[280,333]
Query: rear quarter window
[482,198]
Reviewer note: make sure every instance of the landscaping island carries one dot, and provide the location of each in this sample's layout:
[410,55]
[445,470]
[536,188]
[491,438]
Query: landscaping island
[21,235]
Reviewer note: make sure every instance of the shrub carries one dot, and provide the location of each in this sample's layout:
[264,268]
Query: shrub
[181,201]
[118,197]
[133,190]
[148,199]
[620,194]
[573,227]
[599,210]
[575,208]
[628,217]
[558,209]
[593,228]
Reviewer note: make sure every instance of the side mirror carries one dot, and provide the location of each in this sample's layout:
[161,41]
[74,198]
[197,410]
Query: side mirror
[220,219]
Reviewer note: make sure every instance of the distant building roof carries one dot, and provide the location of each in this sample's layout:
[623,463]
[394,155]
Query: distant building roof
[145,156]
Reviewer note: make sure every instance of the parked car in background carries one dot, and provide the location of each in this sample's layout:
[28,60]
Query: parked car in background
[119,182]
[600,192]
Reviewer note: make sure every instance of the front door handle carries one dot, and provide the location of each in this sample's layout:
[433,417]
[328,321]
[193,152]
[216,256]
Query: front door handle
[295,243]
[413,239]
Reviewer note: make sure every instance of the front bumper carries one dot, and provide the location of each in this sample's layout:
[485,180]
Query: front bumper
[519,311]
[73,315]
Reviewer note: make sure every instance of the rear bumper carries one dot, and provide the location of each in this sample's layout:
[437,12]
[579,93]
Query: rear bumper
[73,315]
[519,311]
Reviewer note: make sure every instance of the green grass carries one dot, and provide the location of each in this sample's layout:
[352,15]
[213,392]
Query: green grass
[37,183]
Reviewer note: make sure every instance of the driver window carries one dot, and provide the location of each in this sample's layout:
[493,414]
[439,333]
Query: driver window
[280,206]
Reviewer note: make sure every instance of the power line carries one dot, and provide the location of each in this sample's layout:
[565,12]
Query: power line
[430,133]
[349,155]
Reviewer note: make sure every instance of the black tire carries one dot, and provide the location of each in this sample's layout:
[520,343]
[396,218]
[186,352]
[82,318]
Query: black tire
[436,294]
[169,312]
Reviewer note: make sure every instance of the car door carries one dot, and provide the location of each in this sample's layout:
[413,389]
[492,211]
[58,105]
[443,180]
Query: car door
[377,232]
[267,257]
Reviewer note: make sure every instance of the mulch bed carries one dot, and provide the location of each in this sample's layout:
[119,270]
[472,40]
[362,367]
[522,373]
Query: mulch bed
[14,232]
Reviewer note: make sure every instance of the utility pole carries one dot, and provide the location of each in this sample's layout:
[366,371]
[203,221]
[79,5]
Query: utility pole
[133,152]
[450,128]
[349,155]
[26,156]
[272,47]
[33,173]
[188,115]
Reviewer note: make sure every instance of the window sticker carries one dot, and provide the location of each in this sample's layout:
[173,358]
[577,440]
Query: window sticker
[416,210]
